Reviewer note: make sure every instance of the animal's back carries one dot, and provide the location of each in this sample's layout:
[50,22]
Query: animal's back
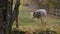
[42,12]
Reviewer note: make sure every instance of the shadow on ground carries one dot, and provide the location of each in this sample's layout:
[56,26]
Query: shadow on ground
[40,32]
[18,32]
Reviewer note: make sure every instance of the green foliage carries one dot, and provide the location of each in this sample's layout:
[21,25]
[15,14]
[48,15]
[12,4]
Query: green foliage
[21,1]
[58,4]
[51,4]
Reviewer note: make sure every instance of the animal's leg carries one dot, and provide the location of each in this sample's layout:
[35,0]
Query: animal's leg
[41,20]
[45,20]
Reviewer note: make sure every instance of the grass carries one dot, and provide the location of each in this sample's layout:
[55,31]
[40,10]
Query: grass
[26,22]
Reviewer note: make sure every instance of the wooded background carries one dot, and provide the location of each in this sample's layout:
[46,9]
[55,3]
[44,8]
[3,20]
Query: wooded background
[51,5]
